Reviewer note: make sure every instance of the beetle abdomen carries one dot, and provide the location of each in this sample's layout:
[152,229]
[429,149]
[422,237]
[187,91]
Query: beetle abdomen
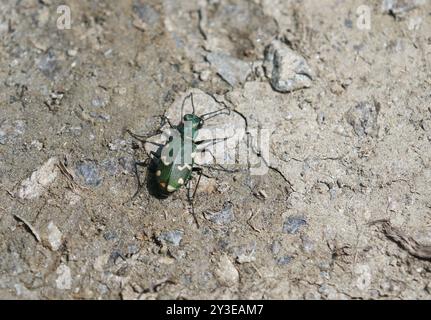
[172,173]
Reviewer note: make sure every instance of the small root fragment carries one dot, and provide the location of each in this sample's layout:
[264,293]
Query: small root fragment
[28,226]
[252,215]
[405,242]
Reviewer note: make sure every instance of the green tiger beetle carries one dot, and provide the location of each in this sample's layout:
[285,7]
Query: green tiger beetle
[174,160]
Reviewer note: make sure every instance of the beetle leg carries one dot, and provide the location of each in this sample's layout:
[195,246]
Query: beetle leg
[143,164]
[196,169]
[143,138]
[191,198]
[204,144]
[166,119]
[220,167]
[140,185]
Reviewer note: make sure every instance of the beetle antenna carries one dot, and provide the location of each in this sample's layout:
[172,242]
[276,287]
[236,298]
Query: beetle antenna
[215,113]
[193,105]
[184,102]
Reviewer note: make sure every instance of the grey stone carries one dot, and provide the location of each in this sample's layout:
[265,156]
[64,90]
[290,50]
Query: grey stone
[287,70]
[363,118]
[234,71]
[127,163]
[10,130]
[111,166]
[282,261]
[173,237]
[146,13]
[48,64]
[307,244]
[89,171]
[293,224]
[110,235]
[224,216]
[132,249]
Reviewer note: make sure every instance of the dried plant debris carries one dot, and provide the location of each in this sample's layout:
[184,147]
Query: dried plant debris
[405,241]
[29,226]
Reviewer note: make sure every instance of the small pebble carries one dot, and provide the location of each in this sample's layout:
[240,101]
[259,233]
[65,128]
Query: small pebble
[64,278]
[287,70]
[72,52]
[282,261]
[293,224]
[38,182]
[232,70]
[275,247]
[245,258]
[132,249]
[173,237]
[52,237]
[48,64]
[37,145]
[224,216]
[226,273]
[205,75]
[110,235]
[363,118]
[146,13]
[89,171]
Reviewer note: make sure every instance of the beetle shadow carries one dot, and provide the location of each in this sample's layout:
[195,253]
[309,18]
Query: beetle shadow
[151,179]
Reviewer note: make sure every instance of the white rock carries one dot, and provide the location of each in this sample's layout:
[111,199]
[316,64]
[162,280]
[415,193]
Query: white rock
[287,70]
[226,273]
[36,184]
[205,75]
[72,52]
[53,236]
[64,279]
[245,258]
[100,262]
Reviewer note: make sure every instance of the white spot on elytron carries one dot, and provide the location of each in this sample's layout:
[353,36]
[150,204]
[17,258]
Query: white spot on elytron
[180,181]
[193,155]
[170,188]
[181,168]
[158,173]
[163,158]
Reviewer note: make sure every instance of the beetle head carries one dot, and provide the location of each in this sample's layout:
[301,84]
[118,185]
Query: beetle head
[196,121]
